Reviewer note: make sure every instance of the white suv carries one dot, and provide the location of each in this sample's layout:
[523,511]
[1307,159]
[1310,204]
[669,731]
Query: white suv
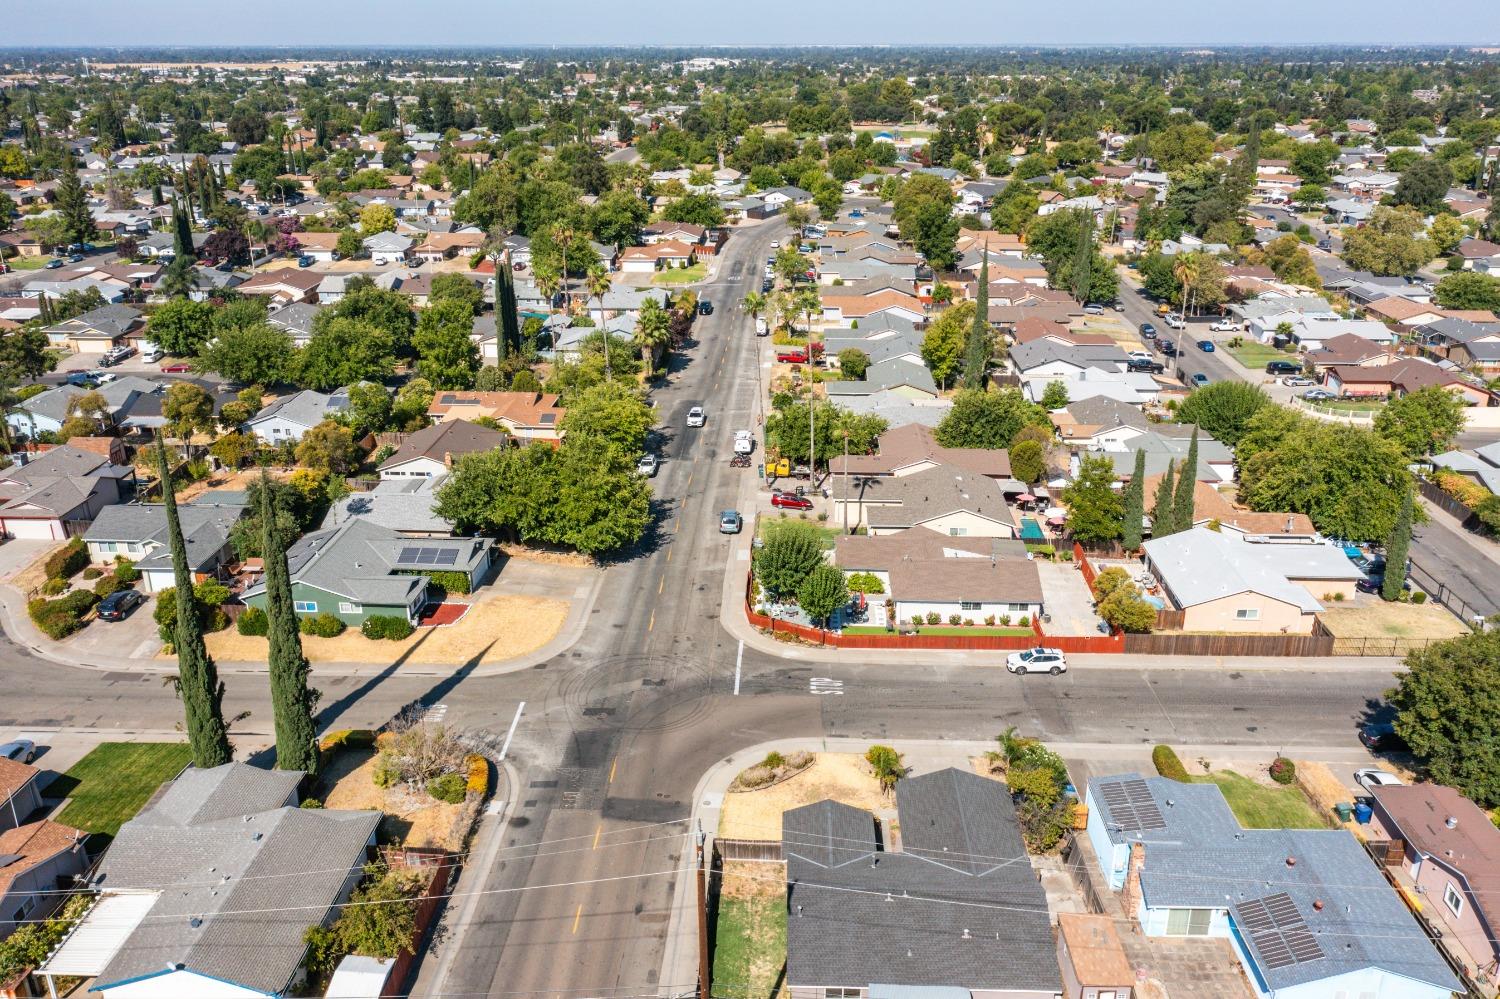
[695,417]
[1037,660]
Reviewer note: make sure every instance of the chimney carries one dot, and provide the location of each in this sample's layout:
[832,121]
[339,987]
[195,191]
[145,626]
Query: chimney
[1131,898]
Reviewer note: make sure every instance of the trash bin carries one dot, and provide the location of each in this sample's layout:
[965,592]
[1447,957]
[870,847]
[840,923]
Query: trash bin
[1345,811]
[1362,813]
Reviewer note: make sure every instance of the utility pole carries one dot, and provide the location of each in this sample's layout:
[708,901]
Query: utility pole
[846,481]
[703,965]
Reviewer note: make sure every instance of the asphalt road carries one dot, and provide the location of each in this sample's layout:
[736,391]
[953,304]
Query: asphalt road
[1141,308]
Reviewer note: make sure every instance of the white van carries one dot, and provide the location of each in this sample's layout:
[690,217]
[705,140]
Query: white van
[743,442]
[761,329]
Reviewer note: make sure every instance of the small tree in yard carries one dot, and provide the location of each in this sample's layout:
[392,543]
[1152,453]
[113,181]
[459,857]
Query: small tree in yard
[886,763]
[854,362]
[1094,508]
[1127,610]
[823,592]
[790,554]
[1054,396]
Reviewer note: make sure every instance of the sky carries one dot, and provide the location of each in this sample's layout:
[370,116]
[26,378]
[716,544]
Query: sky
[757,22]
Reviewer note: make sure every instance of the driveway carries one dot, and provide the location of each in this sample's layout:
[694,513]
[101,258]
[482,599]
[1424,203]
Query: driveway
[1066,598]
[18,553]
[135,637]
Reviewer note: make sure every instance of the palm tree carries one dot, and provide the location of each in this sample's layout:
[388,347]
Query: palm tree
[598,284]
[810,304]
[564,235]
[754,303]
[548,283]
[651,331]
[1186,271]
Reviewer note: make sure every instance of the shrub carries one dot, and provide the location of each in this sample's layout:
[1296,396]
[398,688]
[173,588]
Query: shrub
[253,622]
[1025,621]
[1005,620]
[54,586]
[68,560]
[1034,784]
[1167,764]
[865,582]
[92,573]
[955,619]
[125,570]
[479,774]
[968,622]
[312,803]
[756,776]
[1418,597]
[352,737]
[449,787]
[449,582]
[989,621]
[57,619]
[386,772]
[323,625]
[107,585]
[774,760]
[386,626]
[933,617]
[1283,770]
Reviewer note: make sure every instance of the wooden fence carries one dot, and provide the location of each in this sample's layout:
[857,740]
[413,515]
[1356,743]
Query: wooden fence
[766,851]
[1170,620]
[1434,494]
[1228,645]
[440,863]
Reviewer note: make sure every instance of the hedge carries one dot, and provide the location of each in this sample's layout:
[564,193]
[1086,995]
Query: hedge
[1168,765]
[60,618]
[1283,770]
[69,560]
[252,621]
[351,737]
[324,625]
[107,584]
[449,787]
[479,774]
[378,626]
[448,582]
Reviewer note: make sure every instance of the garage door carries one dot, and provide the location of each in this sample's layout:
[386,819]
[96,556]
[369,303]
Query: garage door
[34,529]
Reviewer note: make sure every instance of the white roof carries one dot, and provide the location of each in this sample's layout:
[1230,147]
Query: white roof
[1199,566]
[360,977]
[87,951]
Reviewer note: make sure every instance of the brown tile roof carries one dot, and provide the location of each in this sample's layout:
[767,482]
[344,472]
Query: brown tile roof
[303,281]
[1346,348]
[1406,373]
[33,843]
[913,444]
[973,579]
[1210,504]
[1471,847]
[855,306]
[317,240]
[1398,308]
[1094,947]
[1474,248]
[13,777]
[521,409]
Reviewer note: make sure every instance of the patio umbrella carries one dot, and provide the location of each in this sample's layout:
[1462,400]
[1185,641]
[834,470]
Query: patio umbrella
[1057,521]
[1057,512]
[1025,498]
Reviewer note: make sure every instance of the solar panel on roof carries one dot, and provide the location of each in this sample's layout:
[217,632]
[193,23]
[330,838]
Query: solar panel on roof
[448,557]
[408,555]
[1278,931]
[1131,805]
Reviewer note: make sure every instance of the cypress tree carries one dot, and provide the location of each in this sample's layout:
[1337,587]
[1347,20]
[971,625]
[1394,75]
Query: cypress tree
[1135,504]
[73,207]
[505,302]
[1161,510]
[197,678]
[182,240]
[1187,481]
[977,351]
[1395,552]
[291,699]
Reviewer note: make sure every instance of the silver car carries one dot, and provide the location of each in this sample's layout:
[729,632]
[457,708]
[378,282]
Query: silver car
[696,417]
[21,751]
[647,466]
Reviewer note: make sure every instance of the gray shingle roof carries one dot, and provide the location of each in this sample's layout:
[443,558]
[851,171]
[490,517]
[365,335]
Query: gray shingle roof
[1026,356]
[247,875]
[306,408]
[907,500]
[205,530]
[899,919]
[108,320]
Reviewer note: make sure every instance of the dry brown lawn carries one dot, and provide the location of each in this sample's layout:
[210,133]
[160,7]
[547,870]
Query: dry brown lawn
[415,819]
[497,628]
[843,777]
[1383,620]
[35,574]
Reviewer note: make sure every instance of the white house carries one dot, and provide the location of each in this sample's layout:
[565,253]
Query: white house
[289,417]
[387,248]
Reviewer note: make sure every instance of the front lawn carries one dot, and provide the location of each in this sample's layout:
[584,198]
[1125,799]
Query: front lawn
[111,783]
[28,263]
[749,945]
[1256,356]
[1260,807]
[827,536]
[681,275]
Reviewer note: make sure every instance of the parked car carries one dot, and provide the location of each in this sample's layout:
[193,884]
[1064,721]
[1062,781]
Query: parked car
[1148,331]
[761,329]
[705,307]
[75,258]
[792,356]
[1374,582]
[54,263]
[1325,244]
[696,417]
[1037,660]
[1167,347]
[1146,365]
[1117,305]
[1381,737]
[1207,346]
[20,751]
[790,501]
[1319,395]
[775,244]
[118,605]
[103,377]
[81,379]
[744,442]
[1093,309]
[730,522]
[1198,379]
[304,261]
[647,465]
[1175,321]
[176,368]
[1372,777]
[1282,367]
[1298,381]
[1225,326]
[767,284]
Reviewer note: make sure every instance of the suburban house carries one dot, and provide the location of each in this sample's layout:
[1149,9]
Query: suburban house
[895,375]
[1311,333]
[947,499]
[291,416]
[912,448]
[1451,861]
[1348,349]
[97,330]
[248,873]
[1135,388]
[1171,442]
[297,319]
[56,493]
[682,232]
[1211,507]
[1479,255]
[1305,911]
[138,531]
[1400,377]
[841,306]
[41,861]
[402,505]
[432,451]
[360,569]
[321,247]
[1482,464]
[657,256]
[284,285]
[868,921]
[1092,958]
[439,246]
[386,248]
[1099,423]
[526,416]
[925,573]
[20,794]
[1250,583]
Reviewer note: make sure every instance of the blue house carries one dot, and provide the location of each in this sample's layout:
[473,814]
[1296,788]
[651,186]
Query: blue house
[1306,910]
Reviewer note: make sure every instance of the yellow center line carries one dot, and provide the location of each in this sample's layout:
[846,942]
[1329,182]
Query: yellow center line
[651,623]
[669,554]
[596,836]
[577,916]
[612,765]
[661,585]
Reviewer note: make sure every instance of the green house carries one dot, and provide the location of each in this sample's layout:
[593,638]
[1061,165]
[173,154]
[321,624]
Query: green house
[360,569]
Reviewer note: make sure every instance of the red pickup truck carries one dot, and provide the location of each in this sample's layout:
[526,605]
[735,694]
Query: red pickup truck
[792,356]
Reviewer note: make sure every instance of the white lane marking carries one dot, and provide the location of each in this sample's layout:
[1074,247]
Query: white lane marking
[739,661]
[825,685]
[513,723]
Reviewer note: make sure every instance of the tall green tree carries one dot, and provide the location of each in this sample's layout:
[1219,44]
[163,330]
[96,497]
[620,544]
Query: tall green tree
[198,681]
[1396,547]
[73,207]
[989,419]
[977,351]
[446,353]
[1094,508]
[1187,481]
[292,700]
[1162,523]
[1448,710]
[1223,409]
[943,343]
[1132,527]
[1422,422]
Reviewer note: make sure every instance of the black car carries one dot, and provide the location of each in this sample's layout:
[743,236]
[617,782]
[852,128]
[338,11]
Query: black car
[1145,364]
[1282,367]
[1381,737]
[1148,331]
[1167,347]
[118,605]
[705,308]
[767,285]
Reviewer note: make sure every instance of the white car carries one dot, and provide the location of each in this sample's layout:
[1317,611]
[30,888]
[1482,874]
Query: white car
[1371,777]
[647,465]
[1175,321]
[761,329]
[21,751]
[1139,355]
[696,417]
[1225,326]
[1037,660]
[775,244]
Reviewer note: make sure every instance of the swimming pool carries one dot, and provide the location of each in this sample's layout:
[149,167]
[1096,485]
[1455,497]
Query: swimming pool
[1031,530]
